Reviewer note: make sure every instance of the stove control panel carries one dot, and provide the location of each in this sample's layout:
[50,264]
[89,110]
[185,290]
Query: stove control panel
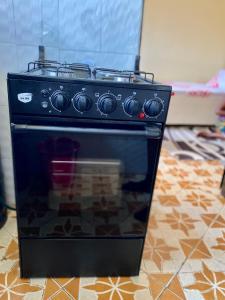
[82,100]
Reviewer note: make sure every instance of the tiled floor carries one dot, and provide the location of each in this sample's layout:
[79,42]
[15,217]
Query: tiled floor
[184,255]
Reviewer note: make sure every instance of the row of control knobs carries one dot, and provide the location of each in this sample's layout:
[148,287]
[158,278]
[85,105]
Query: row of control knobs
[107,104]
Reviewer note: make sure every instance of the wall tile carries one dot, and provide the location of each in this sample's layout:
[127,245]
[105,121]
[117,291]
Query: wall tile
[107,60]
[116,61]
[70,56]
[7,167]
[7,27]
[121,22]
[10,194]
[5,138]
[8,58]
[80,24]
[28,21]
[6,155]
[50,22]
[8,179]
[25,54]
[3,90]
[98,32]
[51,53]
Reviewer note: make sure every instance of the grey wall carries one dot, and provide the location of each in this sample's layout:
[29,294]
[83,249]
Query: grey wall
[99,32]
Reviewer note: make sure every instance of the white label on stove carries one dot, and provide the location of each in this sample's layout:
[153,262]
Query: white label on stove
[24,97]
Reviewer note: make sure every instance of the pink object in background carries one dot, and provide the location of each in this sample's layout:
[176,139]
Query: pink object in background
[214,86]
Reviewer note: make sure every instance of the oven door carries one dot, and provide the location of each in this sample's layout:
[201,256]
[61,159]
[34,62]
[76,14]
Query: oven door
[84,182]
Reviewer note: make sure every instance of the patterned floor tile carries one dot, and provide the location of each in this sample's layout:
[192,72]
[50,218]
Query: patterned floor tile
[206,284]
[5,239]
[208,250]
[180,221]
[11,225]
[9,253]
[204,201]
[220,242]
[157,251]
[169,200]
[61,288]
[214,220]
[174,291]
[152,222]
[12,287]
[215,239]
[158,283]
[195,249]
[114,288]
[12,251]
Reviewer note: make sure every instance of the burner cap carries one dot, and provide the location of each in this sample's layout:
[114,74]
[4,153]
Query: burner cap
[114,75]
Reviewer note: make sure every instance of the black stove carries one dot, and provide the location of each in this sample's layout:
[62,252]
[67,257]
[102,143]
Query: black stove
[86,144]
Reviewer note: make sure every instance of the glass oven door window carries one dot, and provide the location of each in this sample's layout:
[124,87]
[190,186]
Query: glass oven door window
[83,184]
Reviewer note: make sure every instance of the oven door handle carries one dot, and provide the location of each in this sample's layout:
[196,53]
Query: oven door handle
[150,132]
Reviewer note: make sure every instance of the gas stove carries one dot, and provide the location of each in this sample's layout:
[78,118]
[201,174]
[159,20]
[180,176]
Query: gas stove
[86,145]
[79,91]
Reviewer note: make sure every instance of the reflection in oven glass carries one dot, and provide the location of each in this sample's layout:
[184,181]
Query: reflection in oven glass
[84,196]
[84,178]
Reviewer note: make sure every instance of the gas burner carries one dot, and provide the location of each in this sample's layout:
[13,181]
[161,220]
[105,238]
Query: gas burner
[56,69]
[114,75]
[74,70]
[122,76]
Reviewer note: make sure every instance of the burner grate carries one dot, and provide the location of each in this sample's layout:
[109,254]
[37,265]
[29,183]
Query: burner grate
[74,70]
[56,69]
[83,71]
[37,64]
[122,76]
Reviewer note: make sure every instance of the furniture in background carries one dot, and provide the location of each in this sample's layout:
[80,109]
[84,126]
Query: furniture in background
[197,103]
[186,109]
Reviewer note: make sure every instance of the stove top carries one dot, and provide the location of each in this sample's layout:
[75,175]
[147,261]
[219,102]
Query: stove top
[84,71]
[49,88]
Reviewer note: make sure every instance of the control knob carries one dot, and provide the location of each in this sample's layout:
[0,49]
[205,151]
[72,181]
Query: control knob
[153,107]
[131,106]
[107,104]
[59,100]
[82,102]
